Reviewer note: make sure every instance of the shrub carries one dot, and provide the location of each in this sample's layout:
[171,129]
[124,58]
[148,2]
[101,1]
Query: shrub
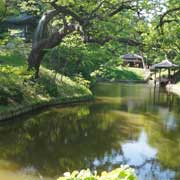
[81,80]
[123,173]
[49,86]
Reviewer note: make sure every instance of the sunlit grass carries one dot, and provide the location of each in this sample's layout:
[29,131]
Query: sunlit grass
[120,73]
[133,73]
[12,59]
[16,88]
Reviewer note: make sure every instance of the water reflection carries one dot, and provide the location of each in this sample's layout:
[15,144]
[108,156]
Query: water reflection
[138,152]
[124,126]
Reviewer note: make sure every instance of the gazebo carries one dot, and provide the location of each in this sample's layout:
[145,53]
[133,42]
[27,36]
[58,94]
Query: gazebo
[21,19]
[24,22]
[133,60]
[165,64]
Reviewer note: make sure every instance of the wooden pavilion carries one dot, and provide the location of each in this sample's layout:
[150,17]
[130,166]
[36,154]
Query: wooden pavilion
[165,64]
[133,60]
[24,23]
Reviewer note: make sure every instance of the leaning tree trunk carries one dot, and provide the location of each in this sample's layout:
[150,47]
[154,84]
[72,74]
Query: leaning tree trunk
[38,50]
[40,43]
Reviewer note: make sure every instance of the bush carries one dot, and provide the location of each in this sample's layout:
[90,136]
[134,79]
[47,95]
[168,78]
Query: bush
[49,86]
[123,173]
[12,94]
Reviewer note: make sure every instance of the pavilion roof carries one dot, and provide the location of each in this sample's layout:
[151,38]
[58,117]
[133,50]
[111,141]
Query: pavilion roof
[131,56]
[21,19]
[164,64]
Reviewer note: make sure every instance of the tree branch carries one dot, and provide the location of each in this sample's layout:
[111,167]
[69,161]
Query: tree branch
[131,42]
[93,13]
[66,11]
[123,6]
[38,52]
[47,16]
[162,21]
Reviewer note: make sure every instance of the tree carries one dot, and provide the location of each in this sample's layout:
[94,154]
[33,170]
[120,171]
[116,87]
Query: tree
[135,24]
[85,18]
[162,39]
[2,9]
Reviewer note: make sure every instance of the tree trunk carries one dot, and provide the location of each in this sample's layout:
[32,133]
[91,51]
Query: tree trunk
[38,51]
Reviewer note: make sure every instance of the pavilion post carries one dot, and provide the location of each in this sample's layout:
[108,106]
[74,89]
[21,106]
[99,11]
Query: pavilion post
[174,78]
[160,76]
[174,72]
[155,78]
[169,73]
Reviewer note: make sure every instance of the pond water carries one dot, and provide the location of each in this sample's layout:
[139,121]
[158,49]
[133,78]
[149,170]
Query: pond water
[127,124]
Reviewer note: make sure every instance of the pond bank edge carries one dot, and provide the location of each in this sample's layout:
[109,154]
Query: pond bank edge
[173,88]
[122,81]
[22,110]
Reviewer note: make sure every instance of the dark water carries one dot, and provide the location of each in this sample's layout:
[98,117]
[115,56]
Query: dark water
[128,124]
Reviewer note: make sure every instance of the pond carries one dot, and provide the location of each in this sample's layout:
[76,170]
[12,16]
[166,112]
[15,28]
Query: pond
[128,124]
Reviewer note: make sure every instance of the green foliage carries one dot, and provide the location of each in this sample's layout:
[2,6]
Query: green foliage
[61,86]
[139,23]
[17,87]
[72,57]
[2,9]
[82,81]
[10,94]
[13,51]
[118,174]
[79,60]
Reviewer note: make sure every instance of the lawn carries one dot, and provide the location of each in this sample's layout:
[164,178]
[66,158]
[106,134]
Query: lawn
[119,73]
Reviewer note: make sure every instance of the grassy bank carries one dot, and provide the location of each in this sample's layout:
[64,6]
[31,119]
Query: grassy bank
[17,90]
[119,73]
[175,88]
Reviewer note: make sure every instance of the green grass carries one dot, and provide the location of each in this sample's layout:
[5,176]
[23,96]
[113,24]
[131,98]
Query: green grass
[119,73]
[131,73]
[12,59]
[16,88]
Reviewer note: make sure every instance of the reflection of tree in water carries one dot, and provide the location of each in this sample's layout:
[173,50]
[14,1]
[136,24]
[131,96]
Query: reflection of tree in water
[60,139]
[151,169]
[167,141]
[161,111]
[92,136]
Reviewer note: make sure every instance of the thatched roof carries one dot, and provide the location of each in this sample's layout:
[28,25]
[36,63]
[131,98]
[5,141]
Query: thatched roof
[131,56]
[164,64]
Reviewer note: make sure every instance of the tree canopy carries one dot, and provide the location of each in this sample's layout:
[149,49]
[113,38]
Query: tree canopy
[114,26]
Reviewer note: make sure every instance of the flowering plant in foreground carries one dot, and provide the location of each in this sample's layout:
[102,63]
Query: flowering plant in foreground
[122,173]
